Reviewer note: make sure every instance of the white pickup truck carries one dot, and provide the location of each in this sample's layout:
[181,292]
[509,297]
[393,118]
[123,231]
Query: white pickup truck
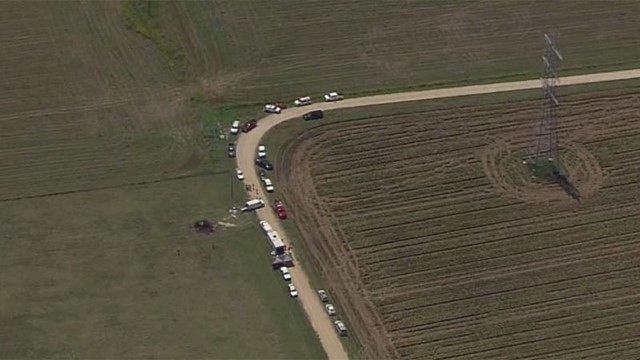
[273,109]
[286,275]
[303,101]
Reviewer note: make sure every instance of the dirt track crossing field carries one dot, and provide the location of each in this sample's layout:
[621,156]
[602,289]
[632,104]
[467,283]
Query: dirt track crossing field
[349,258]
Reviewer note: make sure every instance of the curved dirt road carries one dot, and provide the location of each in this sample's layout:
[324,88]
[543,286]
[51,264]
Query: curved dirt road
[246,150]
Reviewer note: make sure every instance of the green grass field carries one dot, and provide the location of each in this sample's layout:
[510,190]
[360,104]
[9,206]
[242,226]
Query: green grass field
[108,157]
[281,50]
[119,273]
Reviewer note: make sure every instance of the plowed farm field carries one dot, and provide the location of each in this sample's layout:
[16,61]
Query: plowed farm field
[436,247]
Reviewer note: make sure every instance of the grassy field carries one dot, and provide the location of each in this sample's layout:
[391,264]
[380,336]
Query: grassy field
[275,49]
[455,264]
[119,273]
[108,157]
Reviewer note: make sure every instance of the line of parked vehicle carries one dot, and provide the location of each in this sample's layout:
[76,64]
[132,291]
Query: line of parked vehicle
[276,108]
[262,162]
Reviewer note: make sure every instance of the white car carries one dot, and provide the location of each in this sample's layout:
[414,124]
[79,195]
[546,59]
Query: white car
[330,309]
[293,292]
[324,297]
[333,96]
[239,174]
[262,151]
[235,127]
[303,101]
[340,328]
[268,185]
[273,109]
[285,273]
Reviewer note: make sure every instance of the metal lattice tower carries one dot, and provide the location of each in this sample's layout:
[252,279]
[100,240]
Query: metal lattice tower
[547,136]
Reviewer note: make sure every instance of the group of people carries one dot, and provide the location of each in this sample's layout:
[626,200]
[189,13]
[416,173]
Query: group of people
[251,188]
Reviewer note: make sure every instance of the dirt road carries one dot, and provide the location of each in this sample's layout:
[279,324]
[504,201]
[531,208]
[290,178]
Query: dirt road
[246,150]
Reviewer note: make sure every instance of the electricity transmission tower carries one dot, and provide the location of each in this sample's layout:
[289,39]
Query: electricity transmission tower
[546,149]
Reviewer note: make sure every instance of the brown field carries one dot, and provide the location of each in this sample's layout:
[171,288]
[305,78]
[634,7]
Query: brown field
[435,247]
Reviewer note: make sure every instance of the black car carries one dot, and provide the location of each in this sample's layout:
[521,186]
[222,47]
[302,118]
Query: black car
[263,163]
[249,125]
[313,115]
[231,150]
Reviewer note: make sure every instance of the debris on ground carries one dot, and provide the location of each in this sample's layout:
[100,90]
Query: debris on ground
[204,227]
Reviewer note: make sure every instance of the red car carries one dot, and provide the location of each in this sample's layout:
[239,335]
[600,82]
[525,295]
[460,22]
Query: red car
[249,125]
[278,207]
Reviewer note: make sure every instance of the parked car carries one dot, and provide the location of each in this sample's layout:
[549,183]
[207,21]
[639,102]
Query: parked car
[293,292]
[285,273]
[341,328]
[333,96]
[249,125]
[268,185]
[235,127]
[278,207]
[330,309]
[313,115]
[272,108]
[264,163]
[280,104]
[239,174]
[262,151]
[231,150]
[303,101]
[323,295]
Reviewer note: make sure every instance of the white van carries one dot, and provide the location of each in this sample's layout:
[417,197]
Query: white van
[253,205]
[235,127]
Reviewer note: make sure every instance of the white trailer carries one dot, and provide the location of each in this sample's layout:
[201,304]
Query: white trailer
[276,242]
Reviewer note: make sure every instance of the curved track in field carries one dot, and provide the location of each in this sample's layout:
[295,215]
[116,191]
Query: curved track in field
[247,144]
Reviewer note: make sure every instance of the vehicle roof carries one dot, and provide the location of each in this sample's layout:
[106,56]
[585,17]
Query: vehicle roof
[235,123]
